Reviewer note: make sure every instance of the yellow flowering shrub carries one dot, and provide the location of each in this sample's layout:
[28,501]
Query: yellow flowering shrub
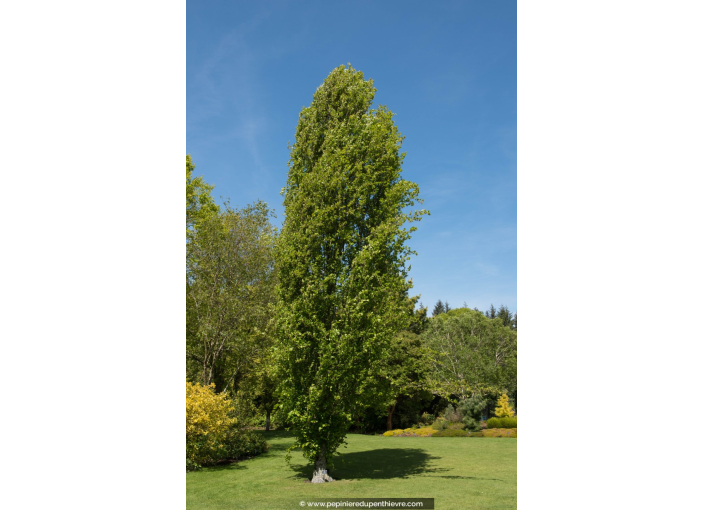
[423,431]
[208,420]
[495,433]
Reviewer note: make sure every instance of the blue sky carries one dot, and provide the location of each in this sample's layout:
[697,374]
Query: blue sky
[448,72]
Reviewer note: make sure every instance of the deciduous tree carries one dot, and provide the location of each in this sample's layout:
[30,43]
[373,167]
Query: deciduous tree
[341,262]
[407,368]
[229,294]
[474,355]
[199,204]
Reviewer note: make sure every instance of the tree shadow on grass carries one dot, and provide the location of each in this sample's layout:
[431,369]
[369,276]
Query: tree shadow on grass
[456,477]
[225,465]
[375,464]
[276,434]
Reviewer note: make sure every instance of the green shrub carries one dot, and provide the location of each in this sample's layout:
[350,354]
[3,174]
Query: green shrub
[427,418]
[440,424]
[451,414]
[502,423]
[237,444]
[471,412]
[242,444]
[450,433]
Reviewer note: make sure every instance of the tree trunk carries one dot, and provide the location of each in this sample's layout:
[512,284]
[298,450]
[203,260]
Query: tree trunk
[320,471]
[268,415]
[389,419]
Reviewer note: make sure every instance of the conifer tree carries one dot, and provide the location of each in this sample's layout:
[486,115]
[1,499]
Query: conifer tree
[503,409]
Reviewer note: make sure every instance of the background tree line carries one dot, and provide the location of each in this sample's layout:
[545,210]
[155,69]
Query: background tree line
[230,299]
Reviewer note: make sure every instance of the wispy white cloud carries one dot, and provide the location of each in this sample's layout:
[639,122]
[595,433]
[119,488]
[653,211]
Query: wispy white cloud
[229,101]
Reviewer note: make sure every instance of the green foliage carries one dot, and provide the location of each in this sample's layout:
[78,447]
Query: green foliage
[451,414]
[409,407]
[471,411]
[229,294]
[473,354]
[265,387]
[503,409]
[451,433]
[441,308]
[491,312]
[243,443]
[427,418]
[502,423]
[341,261]
[237,444]
[440,424]
[199,204]
[405,376]
[507,318]
[418,317]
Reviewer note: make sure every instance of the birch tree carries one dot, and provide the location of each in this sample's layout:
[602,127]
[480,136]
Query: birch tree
[229,294]
[474,355]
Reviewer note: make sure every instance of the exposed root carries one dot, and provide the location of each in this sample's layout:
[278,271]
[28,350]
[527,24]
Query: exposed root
[321,476]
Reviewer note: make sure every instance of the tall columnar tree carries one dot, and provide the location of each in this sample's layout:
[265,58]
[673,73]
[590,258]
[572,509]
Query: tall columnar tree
[341,262]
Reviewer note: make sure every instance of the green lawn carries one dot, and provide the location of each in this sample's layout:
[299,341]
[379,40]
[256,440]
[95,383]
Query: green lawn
[460,473]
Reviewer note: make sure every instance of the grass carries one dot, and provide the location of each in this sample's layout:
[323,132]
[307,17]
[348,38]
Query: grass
[460,473]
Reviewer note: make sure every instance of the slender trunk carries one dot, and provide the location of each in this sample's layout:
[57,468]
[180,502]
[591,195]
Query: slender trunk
[268,415]
[320,470]
[389,418]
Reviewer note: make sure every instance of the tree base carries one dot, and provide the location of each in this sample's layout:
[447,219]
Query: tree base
[321,476]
